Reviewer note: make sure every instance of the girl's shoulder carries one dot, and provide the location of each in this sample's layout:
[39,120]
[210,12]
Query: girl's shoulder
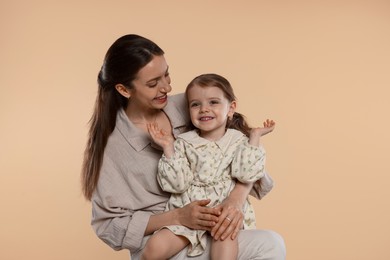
[235,135]
[188,136]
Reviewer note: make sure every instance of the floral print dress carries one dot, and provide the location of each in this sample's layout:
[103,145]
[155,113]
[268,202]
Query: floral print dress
[203,169]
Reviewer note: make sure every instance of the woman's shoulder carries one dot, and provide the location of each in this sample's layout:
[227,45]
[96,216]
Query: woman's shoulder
[178,100]
[177,111]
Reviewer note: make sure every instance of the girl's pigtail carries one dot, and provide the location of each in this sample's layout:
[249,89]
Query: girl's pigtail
[239,123]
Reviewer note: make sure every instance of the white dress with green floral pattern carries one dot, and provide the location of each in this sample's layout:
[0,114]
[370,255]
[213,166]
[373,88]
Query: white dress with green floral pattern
[203,169]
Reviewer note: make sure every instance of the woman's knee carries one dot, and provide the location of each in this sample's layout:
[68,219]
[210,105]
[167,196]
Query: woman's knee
[261,244]
[278,241]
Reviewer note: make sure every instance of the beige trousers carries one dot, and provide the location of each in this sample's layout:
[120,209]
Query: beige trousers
[253,244]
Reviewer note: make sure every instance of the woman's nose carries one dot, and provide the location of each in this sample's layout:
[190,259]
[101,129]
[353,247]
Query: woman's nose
[166,87]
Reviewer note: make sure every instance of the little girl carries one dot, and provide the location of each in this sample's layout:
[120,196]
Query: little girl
[205,163]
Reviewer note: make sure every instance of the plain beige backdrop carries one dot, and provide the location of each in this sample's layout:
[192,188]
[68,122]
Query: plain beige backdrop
[320,69]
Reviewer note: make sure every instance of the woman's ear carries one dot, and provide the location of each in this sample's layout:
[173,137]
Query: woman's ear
[123,90]
[232,109]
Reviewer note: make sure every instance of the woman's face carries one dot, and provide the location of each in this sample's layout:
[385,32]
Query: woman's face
[209,110]
[151,86]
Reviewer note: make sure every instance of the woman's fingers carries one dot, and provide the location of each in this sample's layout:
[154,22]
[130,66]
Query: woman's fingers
[221,227]
[235,226]
[230,220]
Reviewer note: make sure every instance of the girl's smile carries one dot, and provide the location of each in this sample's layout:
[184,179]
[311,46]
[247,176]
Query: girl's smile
[209,110]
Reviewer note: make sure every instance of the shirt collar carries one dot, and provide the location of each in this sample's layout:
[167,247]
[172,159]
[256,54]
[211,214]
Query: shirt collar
[231,136]
[139,139]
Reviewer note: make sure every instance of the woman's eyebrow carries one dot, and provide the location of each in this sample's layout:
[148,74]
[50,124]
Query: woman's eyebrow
[156,78]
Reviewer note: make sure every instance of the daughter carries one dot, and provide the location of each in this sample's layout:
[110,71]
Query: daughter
[205,163]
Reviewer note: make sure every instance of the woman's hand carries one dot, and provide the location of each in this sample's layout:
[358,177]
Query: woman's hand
[230,221]
[196,215]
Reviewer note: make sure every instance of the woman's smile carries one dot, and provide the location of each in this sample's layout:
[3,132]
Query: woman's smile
[161,99]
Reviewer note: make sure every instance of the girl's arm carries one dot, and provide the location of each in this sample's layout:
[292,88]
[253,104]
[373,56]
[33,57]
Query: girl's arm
[233,205]
[174,174]
[162,138]
[194,215]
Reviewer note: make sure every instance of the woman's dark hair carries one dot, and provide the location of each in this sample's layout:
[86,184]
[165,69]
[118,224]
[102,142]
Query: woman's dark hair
[238,121]
[126,56]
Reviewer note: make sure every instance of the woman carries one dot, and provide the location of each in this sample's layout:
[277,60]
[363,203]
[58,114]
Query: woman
[120,162]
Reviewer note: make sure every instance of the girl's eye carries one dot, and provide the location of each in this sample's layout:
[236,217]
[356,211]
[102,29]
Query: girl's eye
[213,102]
[194,105]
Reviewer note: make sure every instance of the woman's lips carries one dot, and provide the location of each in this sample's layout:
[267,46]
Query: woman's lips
[161,99]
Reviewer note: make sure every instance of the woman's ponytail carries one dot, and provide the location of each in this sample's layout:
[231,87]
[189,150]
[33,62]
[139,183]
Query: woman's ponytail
[123,60]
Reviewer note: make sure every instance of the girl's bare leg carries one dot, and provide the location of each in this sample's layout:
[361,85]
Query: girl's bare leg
[227,249]
[162,245]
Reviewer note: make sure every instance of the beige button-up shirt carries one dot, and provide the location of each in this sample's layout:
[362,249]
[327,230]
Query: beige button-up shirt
[128,193]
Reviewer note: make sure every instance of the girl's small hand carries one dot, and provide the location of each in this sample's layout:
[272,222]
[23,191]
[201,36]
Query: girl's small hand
[159,136]
[268,126]
[196,215]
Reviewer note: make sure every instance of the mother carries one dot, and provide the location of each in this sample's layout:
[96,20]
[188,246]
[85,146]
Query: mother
[120,161]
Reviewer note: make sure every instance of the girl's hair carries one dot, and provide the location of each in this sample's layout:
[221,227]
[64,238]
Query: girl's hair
[238,121]
[126,56]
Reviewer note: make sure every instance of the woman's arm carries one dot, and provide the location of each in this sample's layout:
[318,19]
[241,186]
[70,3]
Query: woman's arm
[121,227]
[232,207]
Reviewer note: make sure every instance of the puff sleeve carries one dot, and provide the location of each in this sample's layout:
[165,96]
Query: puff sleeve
[248,163]
[175,174]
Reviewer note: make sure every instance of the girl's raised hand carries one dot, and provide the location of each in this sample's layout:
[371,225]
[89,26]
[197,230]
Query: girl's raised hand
[159,136]
[268,126]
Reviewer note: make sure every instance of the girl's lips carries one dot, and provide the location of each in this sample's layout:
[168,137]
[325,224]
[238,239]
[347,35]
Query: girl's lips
[205,118]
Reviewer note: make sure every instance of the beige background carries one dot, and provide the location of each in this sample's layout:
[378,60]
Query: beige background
[319,69]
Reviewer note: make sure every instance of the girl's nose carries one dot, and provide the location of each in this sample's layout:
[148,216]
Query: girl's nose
[204,108]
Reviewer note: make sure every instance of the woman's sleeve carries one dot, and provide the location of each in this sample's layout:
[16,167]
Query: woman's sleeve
[174,174]
[118,227]
[262,187]
[114,218]
[248,163]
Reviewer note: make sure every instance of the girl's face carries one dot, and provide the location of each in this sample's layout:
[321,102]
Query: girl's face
[151,86]
[209,110]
